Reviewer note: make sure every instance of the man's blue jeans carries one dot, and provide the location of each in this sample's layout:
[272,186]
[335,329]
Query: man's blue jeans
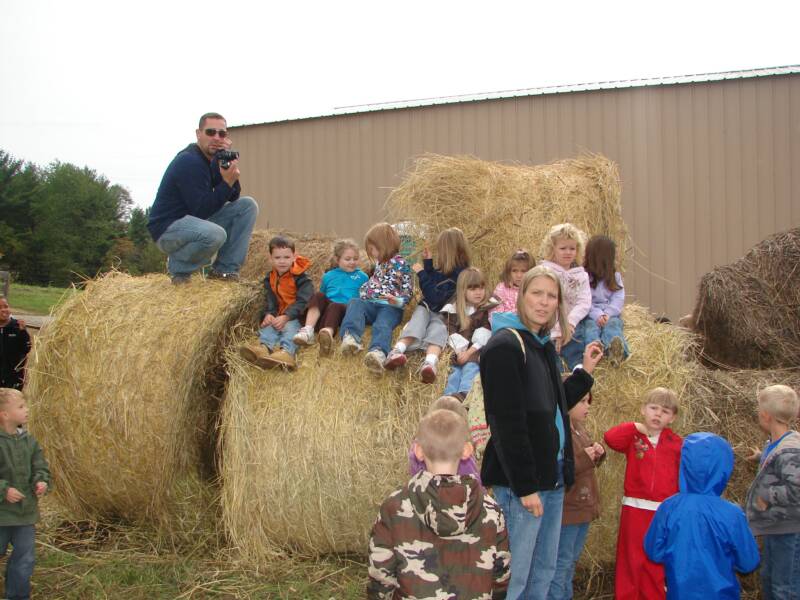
[19,566]
[533,542]
[382,317]
[461,378]
[780,567]
[570,546]
[272,338]
[191,242]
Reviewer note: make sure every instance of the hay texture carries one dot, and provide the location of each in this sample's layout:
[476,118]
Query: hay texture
[748,312]
[308,457]
[502,207]
[124,386]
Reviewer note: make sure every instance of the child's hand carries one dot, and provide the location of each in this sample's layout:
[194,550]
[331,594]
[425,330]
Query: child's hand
[602,320]
[591,356]
[267,320]
[761,503]
[40,489]
[391,299]
[13,495]
[426,253]
[591,452]
[462,357]
[640,428]
[21,323]
[278,323]
[598,450]
[754,456]
[417,267]
[557,344]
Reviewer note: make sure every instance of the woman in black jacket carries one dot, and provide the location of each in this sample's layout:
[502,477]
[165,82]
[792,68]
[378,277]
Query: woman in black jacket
[529,459]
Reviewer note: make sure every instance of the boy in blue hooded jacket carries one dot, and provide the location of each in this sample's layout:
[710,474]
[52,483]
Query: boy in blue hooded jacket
[699,537]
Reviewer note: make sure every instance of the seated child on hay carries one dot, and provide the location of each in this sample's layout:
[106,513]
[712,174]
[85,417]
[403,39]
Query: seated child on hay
[562,251]
[24,478]
[442,535]
[773,501]
[701,539]
[288,289]
[426,328]
[581,501]
[326,309]
[507,290]
[466,466]
[653,454]
[381,299]
[467,320]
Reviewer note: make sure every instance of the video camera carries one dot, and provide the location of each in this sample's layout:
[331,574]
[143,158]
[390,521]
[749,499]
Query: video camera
[226,157]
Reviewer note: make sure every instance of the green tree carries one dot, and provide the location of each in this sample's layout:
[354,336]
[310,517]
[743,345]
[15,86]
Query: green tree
[19,183]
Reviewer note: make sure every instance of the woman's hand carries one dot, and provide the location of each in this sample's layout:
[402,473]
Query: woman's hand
[591,356]
[533,504]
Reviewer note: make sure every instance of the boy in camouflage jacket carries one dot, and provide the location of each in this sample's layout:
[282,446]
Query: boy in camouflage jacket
[441,536]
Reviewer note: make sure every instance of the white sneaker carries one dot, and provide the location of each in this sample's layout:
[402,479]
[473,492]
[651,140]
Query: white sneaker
[304,337]
[350,345]
[374,361]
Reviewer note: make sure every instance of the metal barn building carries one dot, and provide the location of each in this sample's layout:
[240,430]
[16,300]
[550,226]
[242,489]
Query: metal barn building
[710,164]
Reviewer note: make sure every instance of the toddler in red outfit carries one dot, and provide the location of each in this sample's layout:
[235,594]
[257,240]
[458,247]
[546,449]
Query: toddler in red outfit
[653,454]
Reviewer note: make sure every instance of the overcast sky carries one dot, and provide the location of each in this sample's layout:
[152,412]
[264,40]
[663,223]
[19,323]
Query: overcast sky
[118,86]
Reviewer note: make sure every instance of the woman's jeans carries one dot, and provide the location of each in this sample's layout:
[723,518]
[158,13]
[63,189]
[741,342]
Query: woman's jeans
[382,317]
[533,542]
[19,566]
[460,378]
[780,567]
[570,546]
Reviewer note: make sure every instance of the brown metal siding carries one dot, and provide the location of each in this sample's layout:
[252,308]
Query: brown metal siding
[708,169]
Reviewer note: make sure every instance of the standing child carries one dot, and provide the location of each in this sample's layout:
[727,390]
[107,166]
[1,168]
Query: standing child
[701,539]
[426,327]
[773,501]
[442,535]
[467,320]
[581,502]
[653,454]
[289,289]
[381,299]
[326,309]
[562,251]
[507,290]
[24,478]
[604,321]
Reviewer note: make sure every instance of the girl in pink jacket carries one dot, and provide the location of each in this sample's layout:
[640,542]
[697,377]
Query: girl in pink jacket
[507,290]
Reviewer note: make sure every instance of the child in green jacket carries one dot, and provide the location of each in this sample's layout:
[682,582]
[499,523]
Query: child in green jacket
[24,478]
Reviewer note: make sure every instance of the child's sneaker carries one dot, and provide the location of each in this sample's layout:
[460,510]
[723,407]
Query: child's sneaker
[616,352]
[325,342]
[256,354]
[395,360]
[281,358]
[304,337]
[350,345]
[374,361]
[428,372]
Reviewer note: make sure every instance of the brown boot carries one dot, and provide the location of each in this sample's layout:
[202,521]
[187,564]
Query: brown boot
[281,358]
[256,354]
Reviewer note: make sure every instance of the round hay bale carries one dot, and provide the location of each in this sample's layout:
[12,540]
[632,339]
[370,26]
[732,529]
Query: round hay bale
[308,457]
[502,207]
[124,386]
[748,312]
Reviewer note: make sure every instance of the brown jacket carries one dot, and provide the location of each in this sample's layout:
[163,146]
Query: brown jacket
[582,500]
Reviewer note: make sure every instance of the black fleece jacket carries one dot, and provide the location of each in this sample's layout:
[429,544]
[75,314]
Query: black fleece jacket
[520,397]
[15,343]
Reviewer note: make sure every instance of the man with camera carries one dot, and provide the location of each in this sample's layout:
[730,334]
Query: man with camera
[198,211]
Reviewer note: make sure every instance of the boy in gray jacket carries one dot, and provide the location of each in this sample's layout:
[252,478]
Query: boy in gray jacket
[773,501]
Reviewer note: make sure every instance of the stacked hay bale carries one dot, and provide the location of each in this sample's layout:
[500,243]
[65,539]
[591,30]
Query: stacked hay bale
[124,386]
[748,312]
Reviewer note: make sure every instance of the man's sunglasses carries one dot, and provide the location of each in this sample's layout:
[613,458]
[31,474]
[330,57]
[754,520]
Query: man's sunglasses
[212,132]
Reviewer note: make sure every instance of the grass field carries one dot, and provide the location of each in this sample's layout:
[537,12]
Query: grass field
[35,299]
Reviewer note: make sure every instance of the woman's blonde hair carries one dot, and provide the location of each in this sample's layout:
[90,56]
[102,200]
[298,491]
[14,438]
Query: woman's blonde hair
[339,247]
[566,231]
[560,314]
[469,279]
[452,250]
[385,239]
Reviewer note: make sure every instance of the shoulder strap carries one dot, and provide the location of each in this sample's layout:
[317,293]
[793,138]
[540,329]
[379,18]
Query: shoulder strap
[521,343]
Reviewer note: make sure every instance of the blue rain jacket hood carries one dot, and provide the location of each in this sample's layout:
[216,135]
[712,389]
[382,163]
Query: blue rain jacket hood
[700,538]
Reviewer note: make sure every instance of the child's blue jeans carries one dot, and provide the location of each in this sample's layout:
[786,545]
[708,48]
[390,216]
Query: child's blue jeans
[272,338]
[589,331]
[460,378]
[780,567]
[19,567]
[570,546]
[382,317]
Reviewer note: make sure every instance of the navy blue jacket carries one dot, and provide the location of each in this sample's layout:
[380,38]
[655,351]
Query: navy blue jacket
[192,185]
[700,537]
[437,288]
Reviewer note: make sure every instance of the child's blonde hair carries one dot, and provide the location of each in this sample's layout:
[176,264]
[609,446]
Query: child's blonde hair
[561,311]
[339,247]
[780,402]
[452,250]
[442,434]
[661,396]
[469,279]
[520,257]
[449,403]
[9,394]
[385,240]
[566,231]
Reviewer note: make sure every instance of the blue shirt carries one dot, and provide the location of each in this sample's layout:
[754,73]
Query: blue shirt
[341,286]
